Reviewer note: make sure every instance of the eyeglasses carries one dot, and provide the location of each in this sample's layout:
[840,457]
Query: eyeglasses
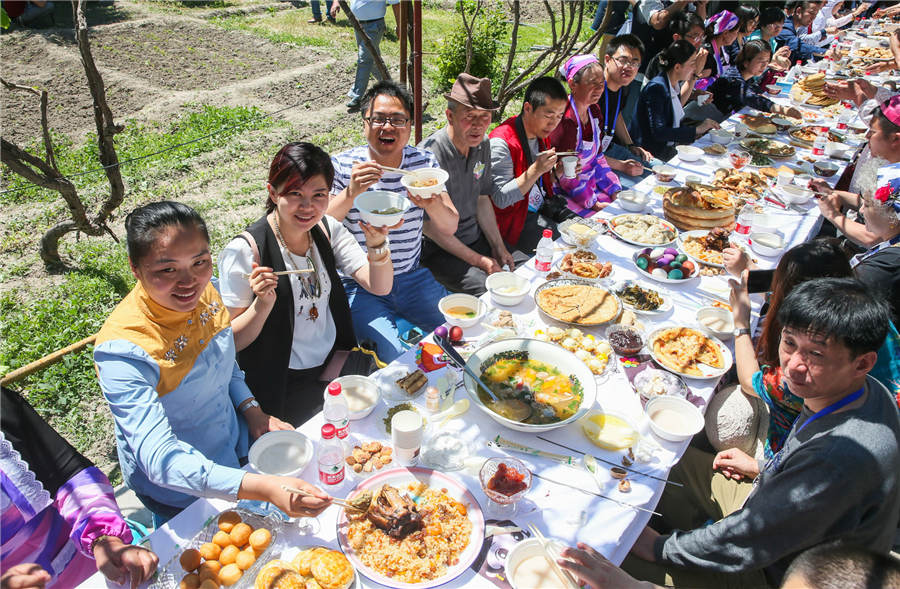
[627,63]
[379,121]
[695,37]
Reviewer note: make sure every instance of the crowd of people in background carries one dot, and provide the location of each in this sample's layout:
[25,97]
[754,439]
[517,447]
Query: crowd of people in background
[194,367]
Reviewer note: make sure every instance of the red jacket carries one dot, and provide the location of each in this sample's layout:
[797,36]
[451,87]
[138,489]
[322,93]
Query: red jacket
[511,220]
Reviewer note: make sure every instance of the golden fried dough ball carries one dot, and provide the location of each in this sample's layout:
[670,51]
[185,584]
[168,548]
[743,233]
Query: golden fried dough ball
[210,551]
[303,561]
[245,559]
[240,533]
[222,539]
[189,581]
[260,539]
[230,574]
[229,554]
[190,559]
[332,570]
[210,570]
[228,520]
[208,584]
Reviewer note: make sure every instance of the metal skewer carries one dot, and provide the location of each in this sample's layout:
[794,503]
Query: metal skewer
[585,491]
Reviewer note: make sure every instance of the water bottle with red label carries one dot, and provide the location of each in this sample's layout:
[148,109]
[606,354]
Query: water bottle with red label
[543,256]
[744,220]
[336,410]
[330,456]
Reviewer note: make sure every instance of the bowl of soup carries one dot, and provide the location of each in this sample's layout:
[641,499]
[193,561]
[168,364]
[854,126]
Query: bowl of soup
[717,321]
[462,309]
[381,208]
[673,418]
[507,288]
[282,452]
[425,182]
[362,394]
[539,386]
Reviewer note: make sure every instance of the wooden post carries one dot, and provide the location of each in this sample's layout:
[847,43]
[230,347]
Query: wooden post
[41,363]
[417,66]
[403,52]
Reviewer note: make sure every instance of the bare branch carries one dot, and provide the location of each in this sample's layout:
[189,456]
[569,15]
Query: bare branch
[552,22]
[45,132]
[513,45]
[376,54]
[469,25]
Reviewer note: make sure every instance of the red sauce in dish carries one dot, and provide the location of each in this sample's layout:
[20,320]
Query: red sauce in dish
[507,481]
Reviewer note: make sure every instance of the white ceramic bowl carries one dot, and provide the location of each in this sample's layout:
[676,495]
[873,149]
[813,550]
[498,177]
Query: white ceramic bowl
[507,288]
[673,418]
[835,149]
[281,452]
[521,552]
[764,223]
[825,169]
[378,200]
[721,136]
[631,201]
[688,153]
[546,352]
[725,330]
[664,172]
[795,194]
[766,244]
[462,300]
[409,182]
[802,180]
[362,394]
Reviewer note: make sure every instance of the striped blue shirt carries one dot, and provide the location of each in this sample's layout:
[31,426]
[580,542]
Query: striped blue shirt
[406,242]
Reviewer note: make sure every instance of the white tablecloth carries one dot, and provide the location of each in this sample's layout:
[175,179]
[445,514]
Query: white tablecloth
[559,511]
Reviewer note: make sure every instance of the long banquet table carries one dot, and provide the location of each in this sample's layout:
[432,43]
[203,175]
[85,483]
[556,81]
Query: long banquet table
[560,512]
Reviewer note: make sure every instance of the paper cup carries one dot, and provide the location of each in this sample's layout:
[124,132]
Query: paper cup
[570,162]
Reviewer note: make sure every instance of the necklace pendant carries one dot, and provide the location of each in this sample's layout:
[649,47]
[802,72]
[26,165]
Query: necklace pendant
[300,312]
[313,313]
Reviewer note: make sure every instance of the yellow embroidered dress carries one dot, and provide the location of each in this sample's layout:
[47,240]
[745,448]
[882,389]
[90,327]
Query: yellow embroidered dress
[173,385]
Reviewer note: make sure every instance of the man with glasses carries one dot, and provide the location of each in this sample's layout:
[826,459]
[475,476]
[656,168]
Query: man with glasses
[622,60]
[462,261]
[521,161]
[387,109]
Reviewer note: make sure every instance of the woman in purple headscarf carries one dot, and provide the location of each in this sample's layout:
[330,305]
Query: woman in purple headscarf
[721,31]
[594,184]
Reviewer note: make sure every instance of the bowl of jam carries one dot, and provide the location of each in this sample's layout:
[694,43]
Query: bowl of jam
[504,481]
[625,340]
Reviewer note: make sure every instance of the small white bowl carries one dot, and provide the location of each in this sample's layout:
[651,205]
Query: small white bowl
[721,136]
[281,452]
[825,169]
[673,418]
[764,223]
[802,180]
[531,547]
[507,288]
[362,394]
[664,172]
[766,244]
[717,321]
[689,153]
[426,174]
[378,200]
[631,201]
[795,194]
[462,300]
[835,149]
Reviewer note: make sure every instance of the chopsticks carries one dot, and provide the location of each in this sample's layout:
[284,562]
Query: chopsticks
[283,272]
[635,471]
[586,492]
[399,171]
[340,502]
[551,557]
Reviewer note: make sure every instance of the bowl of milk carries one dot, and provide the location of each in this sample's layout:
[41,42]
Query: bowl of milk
[527,566]
[283,453]
[673,418]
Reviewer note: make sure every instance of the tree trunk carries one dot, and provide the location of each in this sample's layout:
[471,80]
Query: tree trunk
[375,51]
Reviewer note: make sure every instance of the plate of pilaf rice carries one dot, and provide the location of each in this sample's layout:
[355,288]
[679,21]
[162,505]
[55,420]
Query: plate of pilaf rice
[443,550]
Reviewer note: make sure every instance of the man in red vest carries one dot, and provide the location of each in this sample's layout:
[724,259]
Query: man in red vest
[521,164]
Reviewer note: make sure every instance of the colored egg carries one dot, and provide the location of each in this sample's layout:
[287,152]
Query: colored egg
[687,267]
[646,251]
[642,263]
[659,273]
[676,274]
[671,251]
[657,252]
[680,258]
[675,264]
[667,267]
[666,259]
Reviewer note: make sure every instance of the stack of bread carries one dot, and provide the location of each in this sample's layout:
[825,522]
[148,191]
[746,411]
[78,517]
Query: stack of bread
[313,568]
[699,207]
[811,90]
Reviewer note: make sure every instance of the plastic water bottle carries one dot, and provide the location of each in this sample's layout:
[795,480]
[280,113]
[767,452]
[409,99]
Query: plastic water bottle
[793,73]
[744,220]
[330,456]
[543,256]
[336,411]
[818,147]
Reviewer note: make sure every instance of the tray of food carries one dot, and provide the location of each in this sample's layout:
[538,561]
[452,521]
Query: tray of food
[642,300]
[769,147]
[699,206]
[760,124]
[416,528]
[581,232]
[577,302]
[584,264]
[591,350]
[229,549]
[689,352]
[873,54]
[744,185]
[706,247]
[666,265]
[646,230]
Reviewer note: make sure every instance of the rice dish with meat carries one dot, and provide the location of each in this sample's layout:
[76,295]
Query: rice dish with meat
[422,555]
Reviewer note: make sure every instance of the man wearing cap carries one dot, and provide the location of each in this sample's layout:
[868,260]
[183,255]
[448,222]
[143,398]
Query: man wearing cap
[461,261]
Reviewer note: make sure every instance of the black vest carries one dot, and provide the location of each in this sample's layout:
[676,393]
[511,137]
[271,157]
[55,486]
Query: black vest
[266,360]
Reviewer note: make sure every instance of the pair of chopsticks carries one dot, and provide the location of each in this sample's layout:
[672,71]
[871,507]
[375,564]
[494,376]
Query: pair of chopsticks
[283,272]
[340,502]
[400,171]
[602,496]
[551,556]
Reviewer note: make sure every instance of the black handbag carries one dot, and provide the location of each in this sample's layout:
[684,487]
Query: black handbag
[361,360]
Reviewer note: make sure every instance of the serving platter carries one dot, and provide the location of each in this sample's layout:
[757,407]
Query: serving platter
[400,478]
[698,233]
[661,310]
[569,282]
[663,222]
[706,372]
[666,280]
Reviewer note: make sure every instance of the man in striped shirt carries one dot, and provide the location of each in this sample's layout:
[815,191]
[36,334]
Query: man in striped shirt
[387,109]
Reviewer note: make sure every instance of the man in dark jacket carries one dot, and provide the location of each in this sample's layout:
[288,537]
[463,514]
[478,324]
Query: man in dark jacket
[800,16]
